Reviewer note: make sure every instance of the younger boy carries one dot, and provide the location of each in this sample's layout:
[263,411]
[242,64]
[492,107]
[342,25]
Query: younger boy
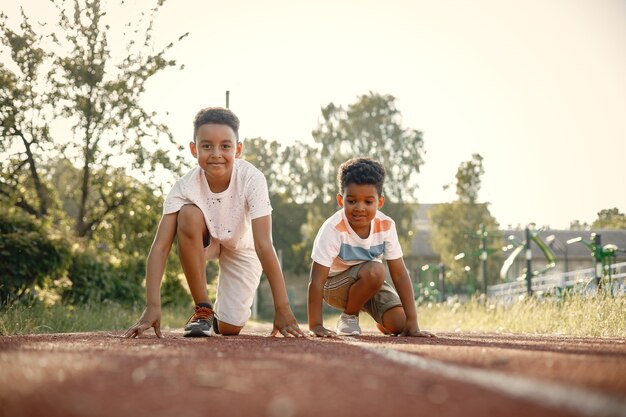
[347,270]
[219,210]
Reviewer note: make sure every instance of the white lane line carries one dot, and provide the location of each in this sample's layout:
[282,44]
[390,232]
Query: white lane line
[547,394]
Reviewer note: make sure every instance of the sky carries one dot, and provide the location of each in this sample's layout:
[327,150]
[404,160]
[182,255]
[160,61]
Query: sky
[537,87]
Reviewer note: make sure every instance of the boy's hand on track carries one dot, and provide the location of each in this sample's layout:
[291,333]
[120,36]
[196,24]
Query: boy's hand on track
[285,323]
[151,317]
[321,331]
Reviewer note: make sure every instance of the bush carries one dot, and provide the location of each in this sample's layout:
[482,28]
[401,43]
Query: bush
[173,293]
[28,257]
[95,279]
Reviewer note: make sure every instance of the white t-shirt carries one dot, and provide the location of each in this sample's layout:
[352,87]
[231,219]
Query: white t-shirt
[229,214]
[339,247]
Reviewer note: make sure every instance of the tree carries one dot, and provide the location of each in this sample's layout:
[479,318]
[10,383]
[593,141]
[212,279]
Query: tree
[577,225]
[468,179]
[456,227]
[370,127]
[610,219]
[25,120]
[287,216]
[69,74]
[306,174]
[268,157]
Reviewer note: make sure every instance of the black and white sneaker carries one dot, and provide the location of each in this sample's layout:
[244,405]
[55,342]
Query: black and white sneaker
[199,325]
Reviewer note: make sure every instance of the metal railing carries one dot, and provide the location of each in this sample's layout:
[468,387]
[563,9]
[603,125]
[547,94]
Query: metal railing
[582,280]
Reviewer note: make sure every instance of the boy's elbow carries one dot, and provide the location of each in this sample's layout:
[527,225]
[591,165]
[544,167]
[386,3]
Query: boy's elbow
[262,246]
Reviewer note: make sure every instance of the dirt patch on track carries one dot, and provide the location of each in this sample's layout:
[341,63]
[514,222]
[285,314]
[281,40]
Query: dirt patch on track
[99,374]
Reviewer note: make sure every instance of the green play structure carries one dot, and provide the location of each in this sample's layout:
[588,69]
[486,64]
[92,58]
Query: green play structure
[604,257]
[525,246]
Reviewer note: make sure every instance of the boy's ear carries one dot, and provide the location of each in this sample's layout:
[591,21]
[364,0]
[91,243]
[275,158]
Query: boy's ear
[194,150]
[381,201]
[340,200]
[238,149]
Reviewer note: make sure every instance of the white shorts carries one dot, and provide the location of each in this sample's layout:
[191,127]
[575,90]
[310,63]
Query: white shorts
[239,277]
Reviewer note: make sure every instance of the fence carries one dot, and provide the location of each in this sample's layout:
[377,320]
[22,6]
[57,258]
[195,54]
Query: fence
[582,280]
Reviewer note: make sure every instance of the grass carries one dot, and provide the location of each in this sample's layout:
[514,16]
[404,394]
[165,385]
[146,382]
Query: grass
[575,315]
[61,318]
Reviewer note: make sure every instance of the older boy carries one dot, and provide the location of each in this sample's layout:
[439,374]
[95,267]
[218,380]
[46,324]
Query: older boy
[347,270]
[220,209]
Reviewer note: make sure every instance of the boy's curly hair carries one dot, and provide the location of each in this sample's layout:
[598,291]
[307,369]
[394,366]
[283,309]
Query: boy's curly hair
[361,171]
[217,115]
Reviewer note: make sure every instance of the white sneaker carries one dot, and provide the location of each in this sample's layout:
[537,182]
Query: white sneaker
[348,325]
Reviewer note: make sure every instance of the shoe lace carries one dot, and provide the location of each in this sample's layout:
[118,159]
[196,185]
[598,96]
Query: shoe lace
[200,313]
[350,319]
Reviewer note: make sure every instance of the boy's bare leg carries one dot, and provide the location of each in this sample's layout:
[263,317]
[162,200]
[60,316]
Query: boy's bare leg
[394,321]
[191,232]
[371,278]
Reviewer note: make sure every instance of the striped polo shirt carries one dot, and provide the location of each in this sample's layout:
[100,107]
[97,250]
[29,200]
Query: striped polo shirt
[339,247]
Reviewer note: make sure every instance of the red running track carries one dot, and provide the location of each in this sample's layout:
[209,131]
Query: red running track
[102,374]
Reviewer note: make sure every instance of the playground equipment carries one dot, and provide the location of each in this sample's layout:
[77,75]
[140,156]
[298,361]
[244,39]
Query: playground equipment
[604,256]
[525,245]
[483,253]
[439,271]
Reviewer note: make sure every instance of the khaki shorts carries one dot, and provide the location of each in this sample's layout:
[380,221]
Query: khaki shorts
[337,287]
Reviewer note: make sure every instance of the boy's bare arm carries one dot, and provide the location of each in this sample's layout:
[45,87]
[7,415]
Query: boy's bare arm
[319,274]
[284,320]
[402,282]
[155,266]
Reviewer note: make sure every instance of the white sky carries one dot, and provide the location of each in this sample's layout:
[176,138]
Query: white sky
[537,87]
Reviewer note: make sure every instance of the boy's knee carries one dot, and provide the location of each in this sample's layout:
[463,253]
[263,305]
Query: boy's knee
[188,219]
[226,329]
[394,320]
[373,273]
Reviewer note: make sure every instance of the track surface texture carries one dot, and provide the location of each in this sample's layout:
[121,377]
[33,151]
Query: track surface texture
[456,374]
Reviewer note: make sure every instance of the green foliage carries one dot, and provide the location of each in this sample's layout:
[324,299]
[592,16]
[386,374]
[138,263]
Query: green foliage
[372,126]
[287,220]
[28,257]
[456,228]
[303,179]
[133,228]
[173,293]
[468,179]
[577,225]
[24,119]
[67,71]
[610,219]
[98,279]
[269,157]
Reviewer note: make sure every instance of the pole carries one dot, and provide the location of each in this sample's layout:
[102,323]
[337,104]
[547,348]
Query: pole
[483,257]
[442,287]
[227,98]
[529,269]
[597,254]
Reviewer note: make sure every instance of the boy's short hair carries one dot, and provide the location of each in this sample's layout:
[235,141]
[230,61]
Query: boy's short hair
[361,171]
[217,115]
